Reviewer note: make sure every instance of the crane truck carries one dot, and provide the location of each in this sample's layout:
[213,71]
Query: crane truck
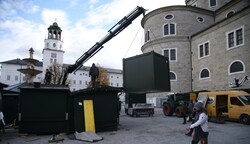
[115,30]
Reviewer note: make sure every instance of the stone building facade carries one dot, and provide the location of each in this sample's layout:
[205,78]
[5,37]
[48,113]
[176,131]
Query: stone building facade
[206,41]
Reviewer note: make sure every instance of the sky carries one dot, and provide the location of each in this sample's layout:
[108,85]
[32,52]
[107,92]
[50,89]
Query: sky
[24,23]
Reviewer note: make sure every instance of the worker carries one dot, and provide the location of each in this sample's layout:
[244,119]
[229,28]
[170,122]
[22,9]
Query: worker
[191,116]
[94,73]
[184,111]
[47,78]
[200,125]
[191,113]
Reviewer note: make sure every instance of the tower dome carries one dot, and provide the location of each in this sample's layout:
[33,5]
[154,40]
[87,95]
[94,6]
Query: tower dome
[54,31]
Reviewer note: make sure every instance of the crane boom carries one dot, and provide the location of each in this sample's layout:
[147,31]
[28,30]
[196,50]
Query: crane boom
[116,29]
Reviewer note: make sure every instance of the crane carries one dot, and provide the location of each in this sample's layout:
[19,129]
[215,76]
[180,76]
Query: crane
[115,30]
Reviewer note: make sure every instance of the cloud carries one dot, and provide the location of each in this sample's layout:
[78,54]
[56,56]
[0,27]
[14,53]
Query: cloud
[11,7]
[93,2]
[22,35]
[73,3]
[49,16]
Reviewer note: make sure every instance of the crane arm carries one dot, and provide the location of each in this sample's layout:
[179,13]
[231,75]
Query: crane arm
[116,29]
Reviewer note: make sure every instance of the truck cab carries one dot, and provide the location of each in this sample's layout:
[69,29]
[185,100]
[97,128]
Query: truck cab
[233,105]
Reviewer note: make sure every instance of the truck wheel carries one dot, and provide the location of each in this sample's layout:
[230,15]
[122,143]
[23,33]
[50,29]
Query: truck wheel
[167,110]
[245,119]
[178,111]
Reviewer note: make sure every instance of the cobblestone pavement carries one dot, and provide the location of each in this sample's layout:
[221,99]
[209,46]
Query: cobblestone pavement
[147,130]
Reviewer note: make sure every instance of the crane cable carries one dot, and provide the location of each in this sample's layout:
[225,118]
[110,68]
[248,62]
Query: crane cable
[132,41]
[157,41]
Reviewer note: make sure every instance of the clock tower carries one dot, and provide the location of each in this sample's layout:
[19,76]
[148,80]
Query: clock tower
[53,47]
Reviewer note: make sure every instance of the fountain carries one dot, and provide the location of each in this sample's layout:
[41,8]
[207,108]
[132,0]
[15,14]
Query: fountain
[30,72]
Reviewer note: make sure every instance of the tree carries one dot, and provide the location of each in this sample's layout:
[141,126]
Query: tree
[57,71]
[103,78]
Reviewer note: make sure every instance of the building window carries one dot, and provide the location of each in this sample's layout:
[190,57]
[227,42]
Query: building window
[236,67]
[169,29]
[16,78]
[169,17]
[74,81]
[231,13]
[200,19]
[53,55]
[117,84]
[111,84]
[147,38]
[235,38]
[86,82]
[173,76]
[80,82]
[171,54]
[212,3]
[24,78]
[8,77]
[204,49]
[111,76]
[204,74]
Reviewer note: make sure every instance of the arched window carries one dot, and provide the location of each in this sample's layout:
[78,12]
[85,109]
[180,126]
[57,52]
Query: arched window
[173,76]
[236,67]
[204,74]
[231,13]
[169,29]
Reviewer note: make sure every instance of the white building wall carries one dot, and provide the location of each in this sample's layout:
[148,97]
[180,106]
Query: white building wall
[115,79]
[10,75]
[79,80]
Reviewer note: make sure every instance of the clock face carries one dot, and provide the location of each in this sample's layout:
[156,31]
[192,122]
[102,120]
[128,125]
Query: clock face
[54,44]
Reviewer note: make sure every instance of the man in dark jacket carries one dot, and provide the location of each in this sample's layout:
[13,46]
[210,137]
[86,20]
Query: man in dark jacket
[47,78]
[94,73]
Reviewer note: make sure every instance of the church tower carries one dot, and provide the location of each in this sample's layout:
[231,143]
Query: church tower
[53,47]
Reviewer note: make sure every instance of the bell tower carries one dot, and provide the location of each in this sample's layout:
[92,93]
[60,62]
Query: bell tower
[53,47]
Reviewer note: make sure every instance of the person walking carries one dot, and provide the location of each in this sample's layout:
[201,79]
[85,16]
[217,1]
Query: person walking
[190,110]
[191,116]
[200,125]
[94,73]
[184,111]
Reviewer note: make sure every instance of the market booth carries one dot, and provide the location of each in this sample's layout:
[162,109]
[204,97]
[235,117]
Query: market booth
[45,109]
[106,108]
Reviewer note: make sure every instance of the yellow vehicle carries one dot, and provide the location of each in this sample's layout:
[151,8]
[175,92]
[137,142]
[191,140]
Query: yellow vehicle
[233,105]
